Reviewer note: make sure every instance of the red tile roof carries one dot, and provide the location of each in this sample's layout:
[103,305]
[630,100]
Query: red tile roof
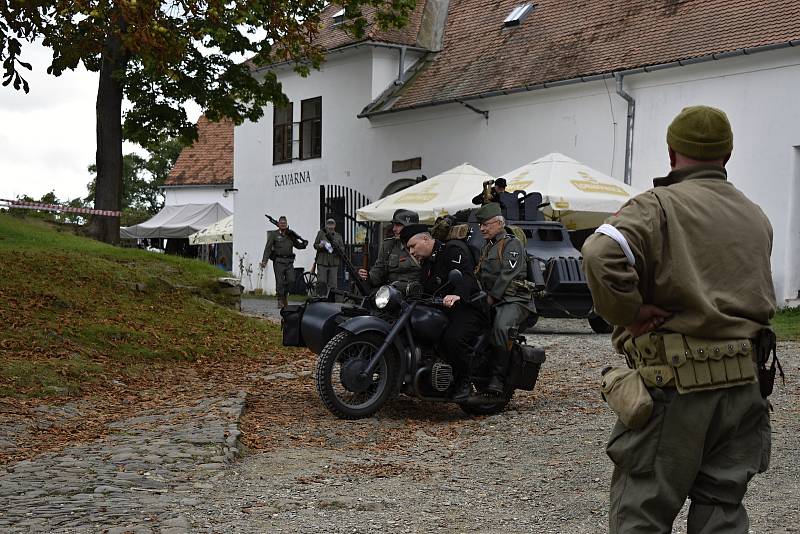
[561,40]
[209,160]
[333,36]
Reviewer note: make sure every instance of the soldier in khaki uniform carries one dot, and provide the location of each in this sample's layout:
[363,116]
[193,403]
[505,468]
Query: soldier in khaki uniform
[394,263]
[279,250]
[502,269]
[326,242]
[683,270]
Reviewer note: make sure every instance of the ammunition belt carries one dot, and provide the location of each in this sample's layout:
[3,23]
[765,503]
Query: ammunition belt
[691,364]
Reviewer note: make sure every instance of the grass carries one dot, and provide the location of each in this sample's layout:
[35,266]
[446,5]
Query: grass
[787,324]
[75,312]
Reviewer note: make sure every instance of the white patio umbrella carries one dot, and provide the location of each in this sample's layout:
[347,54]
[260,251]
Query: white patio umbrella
[445,193]
[577,195]
[219,232]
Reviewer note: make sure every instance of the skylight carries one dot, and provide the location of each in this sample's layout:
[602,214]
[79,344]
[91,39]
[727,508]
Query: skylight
[338,17]
[518,14]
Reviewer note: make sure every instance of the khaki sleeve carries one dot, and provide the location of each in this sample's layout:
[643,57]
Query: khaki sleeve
[378,272]
[318,240]
[613,281]
[267,248]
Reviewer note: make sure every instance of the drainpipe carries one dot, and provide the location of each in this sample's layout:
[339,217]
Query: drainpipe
[401,66]
[628,126]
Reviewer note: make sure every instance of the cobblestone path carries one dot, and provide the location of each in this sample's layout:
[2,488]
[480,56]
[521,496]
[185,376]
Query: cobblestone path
[139,479]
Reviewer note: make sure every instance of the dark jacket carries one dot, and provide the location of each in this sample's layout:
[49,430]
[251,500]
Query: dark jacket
[446,257]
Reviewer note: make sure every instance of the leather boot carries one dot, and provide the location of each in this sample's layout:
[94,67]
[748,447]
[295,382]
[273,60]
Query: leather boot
[463,391]
[495,385]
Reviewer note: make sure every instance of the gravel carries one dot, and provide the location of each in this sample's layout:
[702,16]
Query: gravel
[538,467]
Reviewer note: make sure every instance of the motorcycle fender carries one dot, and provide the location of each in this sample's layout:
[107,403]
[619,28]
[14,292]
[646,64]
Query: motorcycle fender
[368,323]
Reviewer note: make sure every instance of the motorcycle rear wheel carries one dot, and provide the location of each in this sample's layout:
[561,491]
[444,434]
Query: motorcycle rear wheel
[342,390]
[490,408]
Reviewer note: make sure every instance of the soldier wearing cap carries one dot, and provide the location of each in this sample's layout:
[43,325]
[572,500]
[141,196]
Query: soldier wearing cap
[279,250]
[394,263]
[683,271]
[467,320]
[502,270]
[326,243]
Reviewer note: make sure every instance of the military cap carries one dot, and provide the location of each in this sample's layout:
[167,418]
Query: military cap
[405,217]
[500,182]
[488,211]
[701,132]
[411,230]
[330,220]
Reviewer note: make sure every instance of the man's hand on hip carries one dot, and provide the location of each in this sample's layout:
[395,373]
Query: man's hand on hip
[648,318]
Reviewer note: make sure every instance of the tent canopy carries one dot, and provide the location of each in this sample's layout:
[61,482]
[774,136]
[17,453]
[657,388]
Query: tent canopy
[577,195]
[218,232]
[176,221]
[448,192]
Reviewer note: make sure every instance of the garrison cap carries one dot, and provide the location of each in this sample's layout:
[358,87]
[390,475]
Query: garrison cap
[701,132]
[405,217]
[411,230]
[488,211]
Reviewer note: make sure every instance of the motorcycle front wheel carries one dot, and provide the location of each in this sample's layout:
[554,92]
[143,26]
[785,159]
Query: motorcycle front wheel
[341,384]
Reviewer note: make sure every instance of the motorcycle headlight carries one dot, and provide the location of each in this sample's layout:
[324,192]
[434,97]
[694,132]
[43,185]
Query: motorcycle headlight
[382,297]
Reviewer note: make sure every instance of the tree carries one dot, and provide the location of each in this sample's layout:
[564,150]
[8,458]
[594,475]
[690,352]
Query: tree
[142,179]
[160,55]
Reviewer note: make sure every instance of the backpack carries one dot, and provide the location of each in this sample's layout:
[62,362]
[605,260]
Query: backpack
[446,230]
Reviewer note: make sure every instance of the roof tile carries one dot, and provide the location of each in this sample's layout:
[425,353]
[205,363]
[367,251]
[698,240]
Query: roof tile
[209,160]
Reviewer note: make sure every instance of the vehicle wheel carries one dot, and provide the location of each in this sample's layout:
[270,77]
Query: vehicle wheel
[310,280]
[346,394]
[490,408]
[599,325]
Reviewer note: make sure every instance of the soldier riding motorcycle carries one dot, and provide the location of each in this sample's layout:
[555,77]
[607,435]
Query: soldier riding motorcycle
[397,349]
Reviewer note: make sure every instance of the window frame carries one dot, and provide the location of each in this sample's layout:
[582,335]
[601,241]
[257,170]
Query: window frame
[287,126]
[314,125]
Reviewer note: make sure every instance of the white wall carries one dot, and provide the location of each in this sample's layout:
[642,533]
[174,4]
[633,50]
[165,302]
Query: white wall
[174,196]
[584,121]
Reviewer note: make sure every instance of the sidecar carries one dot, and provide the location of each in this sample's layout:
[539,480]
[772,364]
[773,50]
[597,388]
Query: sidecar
[315,322]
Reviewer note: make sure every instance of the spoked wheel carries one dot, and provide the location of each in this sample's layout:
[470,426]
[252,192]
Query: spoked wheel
[310,280]
[491,407]
[341,383]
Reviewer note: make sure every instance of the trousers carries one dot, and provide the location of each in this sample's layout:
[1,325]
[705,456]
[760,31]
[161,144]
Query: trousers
[284,277]
[327,276]
[466,323]
[705,446]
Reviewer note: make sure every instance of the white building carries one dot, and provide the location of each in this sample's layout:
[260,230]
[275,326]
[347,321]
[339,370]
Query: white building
[499,95]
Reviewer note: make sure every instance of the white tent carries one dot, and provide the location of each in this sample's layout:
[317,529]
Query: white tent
[219,232]
[176,221]
[445,193]
[577,195]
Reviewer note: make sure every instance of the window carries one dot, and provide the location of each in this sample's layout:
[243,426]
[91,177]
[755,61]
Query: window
[404,165]
[338,17]
[518,14]
[282,134]
[311,128]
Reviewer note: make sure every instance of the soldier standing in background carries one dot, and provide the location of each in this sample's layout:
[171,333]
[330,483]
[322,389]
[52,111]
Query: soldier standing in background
[394,263]
[683,270]
[279,249]
[326,243]
[502,270]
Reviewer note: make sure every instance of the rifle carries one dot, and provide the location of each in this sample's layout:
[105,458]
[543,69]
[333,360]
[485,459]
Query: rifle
[361,285]
[298,241]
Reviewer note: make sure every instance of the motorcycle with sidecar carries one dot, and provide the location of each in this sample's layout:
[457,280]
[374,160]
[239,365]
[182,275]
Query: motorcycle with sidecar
[388,343]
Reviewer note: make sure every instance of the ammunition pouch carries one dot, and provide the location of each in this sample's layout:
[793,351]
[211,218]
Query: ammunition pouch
[691,364]
[625,392]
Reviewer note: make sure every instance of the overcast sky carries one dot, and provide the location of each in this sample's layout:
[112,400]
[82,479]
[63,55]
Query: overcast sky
[47,137]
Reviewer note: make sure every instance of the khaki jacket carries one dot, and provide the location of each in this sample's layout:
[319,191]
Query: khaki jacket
[503,260]
[325,258]
[701,251]
[394,264]
[278,245]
